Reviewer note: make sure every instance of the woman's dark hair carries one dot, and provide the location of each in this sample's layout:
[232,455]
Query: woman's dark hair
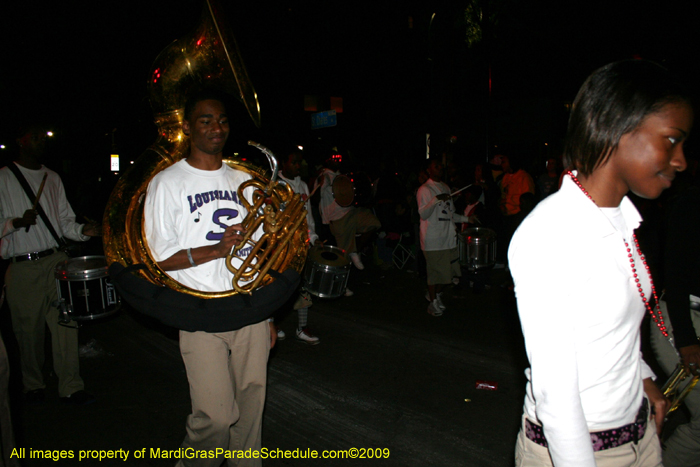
[614,101]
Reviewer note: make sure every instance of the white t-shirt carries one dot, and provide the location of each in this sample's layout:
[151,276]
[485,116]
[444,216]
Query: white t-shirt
[189,208]
[437,218]
[330,210]
[299,186]
[580,312]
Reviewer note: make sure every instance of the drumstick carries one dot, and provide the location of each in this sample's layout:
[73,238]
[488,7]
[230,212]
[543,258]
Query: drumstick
[314,190]
[38,195]
[461,189]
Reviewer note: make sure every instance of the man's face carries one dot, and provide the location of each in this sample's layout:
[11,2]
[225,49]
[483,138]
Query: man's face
[291,168]
[33,142]
[207,127]
[505,165]
[435,170]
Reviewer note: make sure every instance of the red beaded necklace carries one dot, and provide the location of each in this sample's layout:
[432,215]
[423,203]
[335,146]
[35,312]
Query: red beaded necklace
[654,312]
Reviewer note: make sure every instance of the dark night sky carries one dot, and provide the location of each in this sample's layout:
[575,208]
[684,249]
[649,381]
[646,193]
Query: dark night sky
[81,66]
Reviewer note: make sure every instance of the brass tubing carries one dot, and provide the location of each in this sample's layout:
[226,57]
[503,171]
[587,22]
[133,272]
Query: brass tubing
[672,385]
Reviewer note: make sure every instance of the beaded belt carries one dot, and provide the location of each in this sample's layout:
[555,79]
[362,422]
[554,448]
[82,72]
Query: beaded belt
[33,256]
[601,440]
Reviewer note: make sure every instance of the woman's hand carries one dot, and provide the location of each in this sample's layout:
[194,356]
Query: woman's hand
[658,402]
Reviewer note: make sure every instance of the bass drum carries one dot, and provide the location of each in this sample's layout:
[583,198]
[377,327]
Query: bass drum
[352,189]
[85,291]
[326,272]
[477,248]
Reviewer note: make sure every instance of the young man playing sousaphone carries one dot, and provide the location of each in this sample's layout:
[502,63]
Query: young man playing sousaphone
[227,371]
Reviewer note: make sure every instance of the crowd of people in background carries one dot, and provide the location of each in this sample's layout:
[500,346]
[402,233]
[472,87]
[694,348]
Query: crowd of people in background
[496,193]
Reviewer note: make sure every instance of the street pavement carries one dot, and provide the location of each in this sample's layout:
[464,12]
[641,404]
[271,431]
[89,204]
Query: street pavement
[385,376]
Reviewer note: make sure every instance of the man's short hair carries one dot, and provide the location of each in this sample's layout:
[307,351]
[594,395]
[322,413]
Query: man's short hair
[613,101]
[204,94]
[428,162]
[286,152]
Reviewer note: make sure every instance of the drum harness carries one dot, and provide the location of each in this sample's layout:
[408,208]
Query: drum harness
[34,199]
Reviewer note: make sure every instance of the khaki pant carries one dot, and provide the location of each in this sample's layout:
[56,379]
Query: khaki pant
[442,266]
[31,292]
[356,221]
[645,453]
[682,449]
[227,373]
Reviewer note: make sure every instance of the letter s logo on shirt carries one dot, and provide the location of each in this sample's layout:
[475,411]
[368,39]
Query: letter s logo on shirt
[220,215]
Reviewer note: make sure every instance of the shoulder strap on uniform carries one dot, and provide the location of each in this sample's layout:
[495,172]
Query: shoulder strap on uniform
[30,194]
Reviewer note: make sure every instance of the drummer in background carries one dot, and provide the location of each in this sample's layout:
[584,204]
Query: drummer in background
[438,235]
[290,174]
[34,254]
[345,222]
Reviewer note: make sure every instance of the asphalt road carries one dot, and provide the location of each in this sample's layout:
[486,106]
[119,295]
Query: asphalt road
[385,376]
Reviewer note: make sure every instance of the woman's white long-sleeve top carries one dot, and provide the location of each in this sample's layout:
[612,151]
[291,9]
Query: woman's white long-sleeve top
[580,312]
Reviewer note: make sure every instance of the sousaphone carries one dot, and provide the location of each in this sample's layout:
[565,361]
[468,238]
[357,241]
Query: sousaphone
[206,57]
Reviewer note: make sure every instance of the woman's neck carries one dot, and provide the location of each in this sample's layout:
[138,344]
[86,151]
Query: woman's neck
[607,192]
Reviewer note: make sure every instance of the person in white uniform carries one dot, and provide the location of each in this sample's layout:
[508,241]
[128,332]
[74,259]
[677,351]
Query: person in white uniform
[29,243]
[438,235]
[290,175]
[581,281]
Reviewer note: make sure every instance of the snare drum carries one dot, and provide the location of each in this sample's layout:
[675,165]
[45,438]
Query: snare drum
[326,272]
[477,248]
[84,289]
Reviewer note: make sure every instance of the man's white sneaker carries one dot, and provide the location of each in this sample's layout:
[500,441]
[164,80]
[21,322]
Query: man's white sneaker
[280,334]
[438,299]
[305,336]
[434,309]
[348,292]
[355,258]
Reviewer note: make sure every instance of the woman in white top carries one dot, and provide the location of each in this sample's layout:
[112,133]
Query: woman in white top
[581,281]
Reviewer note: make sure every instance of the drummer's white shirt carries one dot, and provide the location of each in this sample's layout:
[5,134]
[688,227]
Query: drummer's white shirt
[437,218]
[14,202]
[580,312]
[187,207]
[330,210]
[299,186]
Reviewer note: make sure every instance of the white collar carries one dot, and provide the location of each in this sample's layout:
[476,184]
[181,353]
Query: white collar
[598,221]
